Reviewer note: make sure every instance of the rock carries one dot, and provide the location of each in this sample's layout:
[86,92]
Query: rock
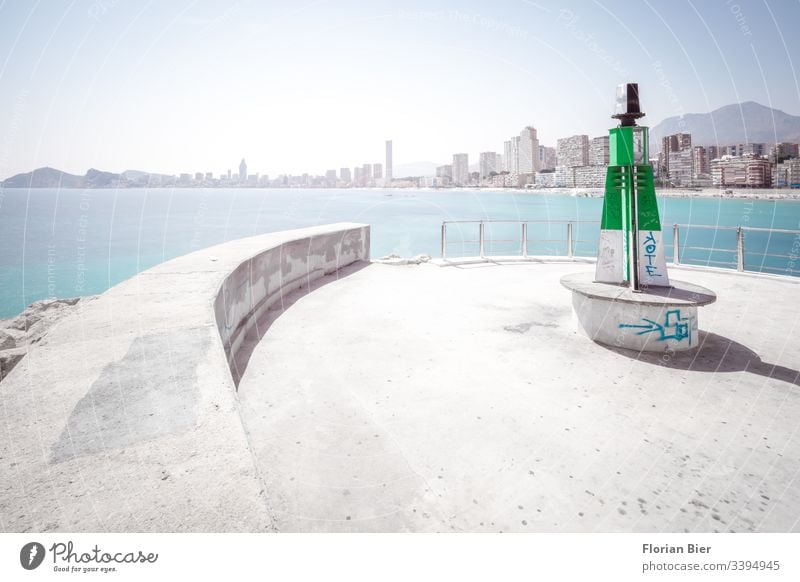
[44,308]
[30,327]
[9,359]
[7,341]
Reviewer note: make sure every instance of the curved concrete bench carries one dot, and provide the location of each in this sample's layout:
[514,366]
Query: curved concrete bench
[659,319]
[124,417]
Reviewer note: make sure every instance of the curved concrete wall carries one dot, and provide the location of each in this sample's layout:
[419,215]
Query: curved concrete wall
[257,283]
[124,417]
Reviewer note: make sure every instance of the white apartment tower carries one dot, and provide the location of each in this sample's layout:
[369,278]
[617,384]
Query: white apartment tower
[460,169]
[511,155]
[487,164]
[529,162]
[388,159]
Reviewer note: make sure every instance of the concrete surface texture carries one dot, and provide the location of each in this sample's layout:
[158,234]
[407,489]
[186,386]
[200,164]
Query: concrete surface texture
[126,418]
[462,398]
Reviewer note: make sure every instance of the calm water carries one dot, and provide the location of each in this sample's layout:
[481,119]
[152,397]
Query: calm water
[65,243]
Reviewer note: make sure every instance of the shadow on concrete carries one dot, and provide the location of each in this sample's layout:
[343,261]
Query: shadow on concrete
[691,294]
[488,262]
[715,354]
[263,323]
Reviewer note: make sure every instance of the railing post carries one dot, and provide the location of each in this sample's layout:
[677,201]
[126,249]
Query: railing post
[480,238]
[525,240]
[676,254]
[569,239]
[739,249]
[444,240]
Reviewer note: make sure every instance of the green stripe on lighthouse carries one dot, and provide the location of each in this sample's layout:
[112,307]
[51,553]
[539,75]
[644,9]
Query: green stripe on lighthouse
[612,201]
[648,206]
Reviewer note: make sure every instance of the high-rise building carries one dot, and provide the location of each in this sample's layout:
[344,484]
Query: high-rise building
[511,155]
[445,171]
[528,151]
[675,144]
[749,171]
[344,174]
[752,149]
[229,174]
[388,159]
[209,176]
[487,163]
[377,171]
[787,174]
[598,151]
[358,176]
[678,158]
[330,178]
[460,169]
[784,151]
[547,158]
[700,161]
[242,171]
[573,151]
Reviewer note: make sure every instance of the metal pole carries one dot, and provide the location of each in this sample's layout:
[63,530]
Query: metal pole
[634,262]
[569,239]
[676,255]
[525,240]
[739,249]
[444,240]
[480,238]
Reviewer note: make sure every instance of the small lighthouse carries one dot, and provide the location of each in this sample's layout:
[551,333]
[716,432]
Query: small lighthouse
[630,249]
[631,301]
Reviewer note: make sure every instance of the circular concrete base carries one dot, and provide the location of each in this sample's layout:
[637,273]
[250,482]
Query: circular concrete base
[656,320]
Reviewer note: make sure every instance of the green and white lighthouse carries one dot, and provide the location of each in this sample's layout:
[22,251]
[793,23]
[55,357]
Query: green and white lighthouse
[630,250]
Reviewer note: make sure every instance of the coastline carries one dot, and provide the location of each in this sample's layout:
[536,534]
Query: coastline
[782,194]
[791,195]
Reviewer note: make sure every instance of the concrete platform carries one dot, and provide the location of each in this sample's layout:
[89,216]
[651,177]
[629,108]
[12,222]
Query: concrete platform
[461,398]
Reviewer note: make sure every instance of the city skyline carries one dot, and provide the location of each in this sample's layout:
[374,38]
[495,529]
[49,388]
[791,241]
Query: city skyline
[163,87]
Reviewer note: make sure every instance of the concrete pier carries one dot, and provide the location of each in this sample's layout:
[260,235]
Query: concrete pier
[388,398]
[125,418]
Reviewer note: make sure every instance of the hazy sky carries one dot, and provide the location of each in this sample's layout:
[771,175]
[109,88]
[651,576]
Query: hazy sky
[185,86]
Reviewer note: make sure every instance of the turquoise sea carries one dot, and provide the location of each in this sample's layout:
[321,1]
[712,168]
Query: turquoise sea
[64,243]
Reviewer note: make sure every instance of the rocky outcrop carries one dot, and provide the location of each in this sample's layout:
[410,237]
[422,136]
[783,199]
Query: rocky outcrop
[30,327]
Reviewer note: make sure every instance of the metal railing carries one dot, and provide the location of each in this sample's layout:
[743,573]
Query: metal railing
[680,250]
[739,250]
[524,239]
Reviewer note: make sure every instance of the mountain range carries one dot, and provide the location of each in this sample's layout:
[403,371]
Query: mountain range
[728,125]
[748,122]
[51,178]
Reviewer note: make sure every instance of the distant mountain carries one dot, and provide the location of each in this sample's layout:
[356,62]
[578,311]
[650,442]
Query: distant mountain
[52,178]
[732,124]
[414,169]
[44,178]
